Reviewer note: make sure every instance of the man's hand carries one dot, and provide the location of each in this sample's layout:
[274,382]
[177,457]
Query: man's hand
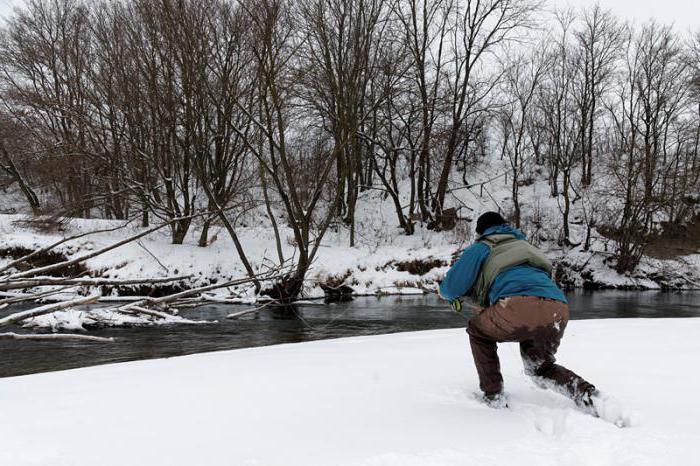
[477,309]
[456,305]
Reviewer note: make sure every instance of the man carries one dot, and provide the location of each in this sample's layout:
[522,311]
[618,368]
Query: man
[518,302]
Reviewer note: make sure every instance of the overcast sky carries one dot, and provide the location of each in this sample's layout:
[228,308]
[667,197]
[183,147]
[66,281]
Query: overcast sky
[685,14]
[6,6]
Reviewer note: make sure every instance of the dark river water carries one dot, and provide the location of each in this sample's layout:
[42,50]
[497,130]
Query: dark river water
[362,316]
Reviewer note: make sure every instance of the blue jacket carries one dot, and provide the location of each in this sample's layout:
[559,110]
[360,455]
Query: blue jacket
[520,280]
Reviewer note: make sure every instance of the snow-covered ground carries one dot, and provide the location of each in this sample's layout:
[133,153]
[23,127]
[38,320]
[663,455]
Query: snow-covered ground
[377,262]
[376,265]
[403,399]
[369,269]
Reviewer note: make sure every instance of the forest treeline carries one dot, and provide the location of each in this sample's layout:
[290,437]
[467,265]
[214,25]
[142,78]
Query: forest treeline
[168,109]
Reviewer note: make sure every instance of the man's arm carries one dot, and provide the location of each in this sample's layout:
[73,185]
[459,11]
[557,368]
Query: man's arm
[463,274]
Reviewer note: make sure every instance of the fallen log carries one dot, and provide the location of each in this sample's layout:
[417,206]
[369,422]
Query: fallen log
[143,310]
[14,298]
[53,337]
[47,309]
[236,315]
[160,315]
[194,291]
[17,284]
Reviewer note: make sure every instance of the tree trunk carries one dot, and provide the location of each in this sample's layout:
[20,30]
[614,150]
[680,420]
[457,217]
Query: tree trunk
[180,229]
[11,169]
[567,206]
[204,235]
[516,200]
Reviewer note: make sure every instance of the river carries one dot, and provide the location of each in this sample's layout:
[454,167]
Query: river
[362,316]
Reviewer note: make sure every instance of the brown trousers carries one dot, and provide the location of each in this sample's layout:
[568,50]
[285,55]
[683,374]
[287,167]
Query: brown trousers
[538,325]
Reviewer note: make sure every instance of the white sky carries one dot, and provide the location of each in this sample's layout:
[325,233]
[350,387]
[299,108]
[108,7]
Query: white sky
[685,14]
[7,5]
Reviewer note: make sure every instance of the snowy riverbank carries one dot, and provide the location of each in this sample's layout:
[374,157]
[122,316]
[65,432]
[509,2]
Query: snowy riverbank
[403,399]
[394,264]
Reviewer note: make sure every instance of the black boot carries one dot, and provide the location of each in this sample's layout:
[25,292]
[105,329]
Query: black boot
[495,400]
[587,401]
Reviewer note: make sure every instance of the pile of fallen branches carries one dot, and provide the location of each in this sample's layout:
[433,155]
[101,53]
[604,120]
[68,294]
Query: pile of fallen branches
[39,284]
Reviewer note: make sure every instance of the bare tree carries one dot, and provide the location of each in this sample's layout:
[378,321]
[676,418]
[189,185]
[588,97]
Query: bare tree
[275,40]
[647,104]
[168,109]
[426,25]
[13,143]
[45,56]
[221,155]
[342,52]
[599,42]
[521,86]
[561,120]
[478,27]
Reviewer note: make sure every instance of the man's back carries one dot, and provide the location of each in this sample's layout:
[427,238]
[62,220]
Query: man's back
[518,280]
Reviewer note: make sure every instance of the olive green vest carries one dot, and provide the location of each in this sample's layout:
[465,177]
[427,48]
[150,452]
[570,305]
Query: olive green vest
[506,251]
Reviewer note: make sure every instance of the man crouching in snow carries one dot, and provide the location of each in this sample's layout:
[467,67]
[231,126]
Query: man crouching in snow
[510,279]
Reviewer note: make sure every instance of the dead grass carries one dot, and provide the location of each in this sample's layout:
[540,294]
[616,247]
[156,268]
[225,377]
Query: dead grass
[676,240]
[42,260]
[419,266]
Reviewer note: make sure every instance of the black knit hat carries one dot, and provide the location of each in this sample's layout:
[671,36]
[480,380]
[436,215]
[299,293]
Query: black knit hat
[488,220]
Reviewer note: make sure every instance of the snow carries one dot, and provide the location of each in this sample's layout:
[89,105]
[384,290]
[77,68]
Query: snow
[403,399]
[79,319]
[370,268]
